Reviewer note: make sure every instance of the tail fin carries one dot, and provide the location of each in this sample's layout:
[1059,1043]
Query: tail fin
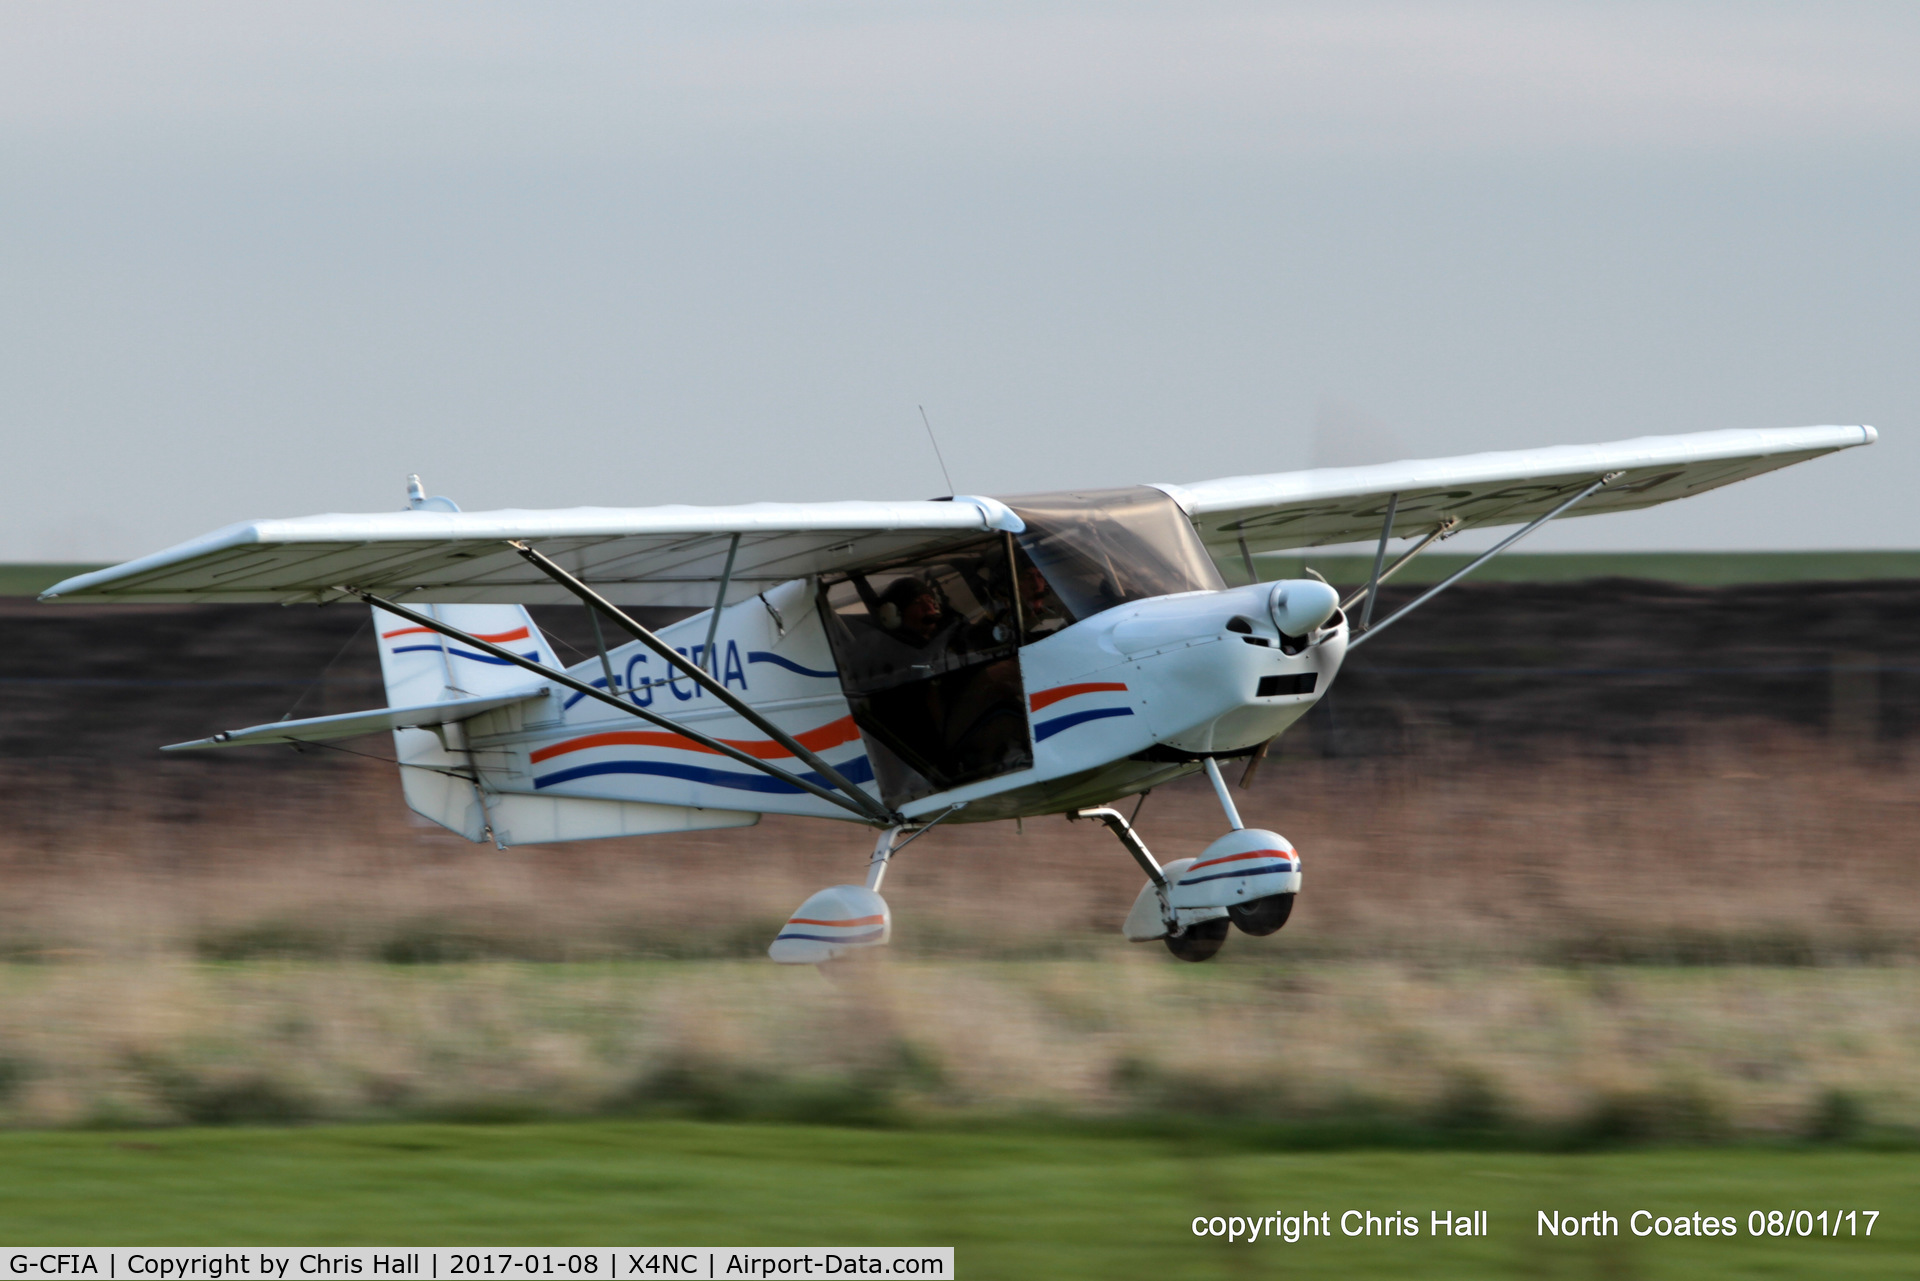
[422,666]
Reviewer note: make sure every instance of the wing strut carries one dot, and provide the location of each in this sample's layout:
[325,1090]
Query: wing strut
[874,810]
[1443,530]
[581,687]
[1480,560]
[1379,559]
[719,603]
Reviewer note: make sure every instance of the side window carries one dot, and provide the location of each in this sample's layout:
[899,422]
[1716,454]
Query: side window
[928,658]
[912,622]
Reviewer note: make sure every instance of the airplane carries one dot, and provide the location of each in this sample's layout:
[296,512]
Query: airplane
[897,664]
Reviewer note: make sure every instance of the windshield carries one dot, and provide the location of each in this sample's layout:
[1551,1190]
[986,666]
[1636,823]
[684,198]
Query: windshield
[1104,547]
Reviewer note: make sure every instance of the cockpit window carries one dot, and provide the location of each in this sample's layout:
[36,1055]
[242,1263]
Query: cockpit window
[1099,548]
[923,619]
[927,654]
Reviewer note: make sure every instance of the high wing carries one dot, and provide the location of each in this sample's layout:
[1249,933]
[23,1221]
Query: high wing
[1243,516]
[633,556]
[672,556]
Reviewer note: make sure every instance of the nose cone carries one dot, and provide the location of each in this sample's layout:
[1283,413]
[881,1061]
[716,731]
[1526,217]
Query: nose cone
[1300,605]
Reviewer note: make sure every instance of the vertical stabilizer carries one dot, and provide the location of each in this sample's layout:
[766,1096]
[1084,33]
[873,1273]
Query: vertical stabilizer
[422,666]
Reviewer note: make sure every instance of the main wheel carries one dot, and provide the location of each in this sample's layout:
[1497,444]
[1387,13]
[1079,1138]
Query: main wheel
[1263,916]
[1199,942]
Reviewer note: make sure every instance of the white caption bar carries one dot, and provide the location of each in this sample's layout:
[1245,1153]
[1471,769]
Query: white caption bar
[415,1263]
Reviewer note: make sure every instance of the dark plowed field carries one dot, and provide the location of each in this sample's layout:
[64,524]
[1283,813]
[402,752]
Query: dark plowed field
[1611,663]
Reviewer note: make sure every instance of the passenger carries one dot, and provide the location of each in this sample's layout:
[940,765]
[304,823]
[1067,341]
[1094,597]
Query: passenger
[1040,608]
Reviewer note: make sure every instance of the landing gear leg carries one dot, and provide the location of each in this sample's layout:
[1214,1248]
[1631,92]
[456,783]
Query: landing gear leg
[1190,935]
[882,852]
[1259,916]
[1226,797]
[1117,823]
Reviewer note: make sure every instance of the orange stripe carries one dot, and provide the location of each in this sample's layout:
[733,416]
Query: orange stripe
[858,920]
[495,638]
[1048,697]
[827,736]
[1235,858]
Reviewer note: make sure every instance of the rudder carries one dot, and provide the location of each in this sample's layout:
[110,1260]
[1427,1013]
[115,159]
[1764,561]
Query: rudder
[421,666]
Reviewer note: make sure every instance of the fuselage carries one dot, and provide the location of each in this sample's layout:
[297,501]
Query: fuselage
[1088,654]
[1098,708]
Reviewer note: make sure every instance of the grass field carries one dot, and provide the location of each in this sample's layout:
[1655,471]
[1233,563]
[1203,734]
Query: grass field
[1533,1054]
[1014,1204]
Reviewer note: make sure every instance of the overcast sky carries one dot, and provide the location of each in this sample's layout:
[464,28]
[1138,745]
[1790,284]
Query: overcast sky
[266,259]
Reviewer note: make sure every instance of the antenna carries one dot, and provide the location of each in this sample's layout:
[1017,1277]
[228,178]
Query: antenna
[936,450]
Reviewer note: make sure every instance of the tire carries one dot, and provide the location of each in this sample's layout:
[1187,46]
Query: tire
[1199,942]
[1263,916]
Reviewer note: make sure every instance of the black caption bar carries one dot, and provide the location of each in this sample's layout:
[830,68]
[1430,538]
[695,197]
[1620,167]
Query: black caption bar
[476,1263]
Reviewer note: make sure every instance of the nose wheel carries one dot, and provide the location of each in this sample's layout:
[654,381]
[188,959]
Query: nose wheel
[1199,941]
[1247,880]
[1263,916]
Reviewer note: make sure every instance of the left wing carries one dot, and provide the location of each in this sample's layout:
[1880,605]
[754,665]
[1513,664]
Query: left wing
[1247,515]
[633,556]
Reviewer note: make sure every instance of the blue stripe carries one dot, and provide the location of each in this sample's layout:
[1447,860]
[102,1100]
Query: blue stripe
[460,653]
[857,771]
[762,656]
[1253,871]
[1047,729]
[598,682]
[828,938]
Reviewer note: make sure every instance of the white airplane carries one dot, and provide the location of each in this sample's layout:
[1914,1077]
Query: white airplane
[896,664]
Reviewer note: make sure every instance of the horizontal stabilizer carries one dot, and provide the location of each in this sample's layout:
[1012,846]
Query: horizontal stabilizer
[352,724]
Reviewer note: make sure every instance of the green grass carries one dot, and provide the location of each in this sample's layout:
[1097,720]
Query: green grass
[31,580]
[1014,1203]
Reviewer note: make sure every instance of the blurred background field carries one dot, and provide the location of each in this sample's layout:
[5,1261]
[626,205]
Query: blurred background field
[1591,864]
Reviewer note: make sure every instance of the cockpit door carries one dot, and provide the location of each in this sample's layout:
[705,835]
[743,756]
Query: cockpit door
[928,655]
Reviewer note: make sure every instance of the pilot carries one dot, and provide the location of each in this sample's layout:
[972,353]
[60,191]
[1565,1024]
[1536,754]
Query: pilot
[911,610]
